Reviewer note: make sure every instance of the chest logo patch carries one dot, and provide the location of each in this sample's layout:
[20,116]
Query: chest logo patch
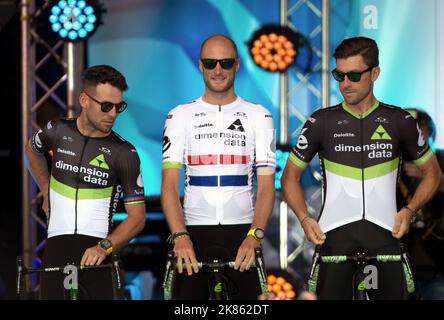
[380,134]
[99,161]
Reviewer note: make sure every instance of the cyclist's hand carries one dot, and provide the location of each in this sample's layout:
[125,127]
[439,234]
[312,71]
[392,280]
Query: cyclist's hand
[183,250]
[93,256]
[313,232]
[45,206]
[402,223]
[245,254]
[412,170]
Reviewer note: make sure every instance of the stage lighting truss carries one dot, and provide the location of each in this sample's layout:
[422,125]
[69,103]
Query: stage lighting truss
[75,20]
[274,48]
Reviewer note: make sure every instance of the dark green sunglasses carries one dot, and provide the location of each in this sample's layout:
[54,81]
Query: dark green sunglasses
[353,76]
[224,63]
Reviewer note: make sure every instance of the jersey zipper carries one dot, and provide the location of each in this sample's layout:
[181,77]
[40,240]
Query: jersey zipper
[362,165]
[220,198]
[78,181]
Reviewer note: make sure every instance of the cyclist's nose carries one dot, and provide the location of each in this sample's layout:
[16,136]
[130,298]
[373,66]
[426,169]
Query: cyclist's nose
[218,69]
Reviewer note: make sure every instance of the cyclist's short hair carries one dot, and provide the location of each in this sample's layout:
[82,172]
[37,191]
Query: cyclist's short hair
[219,35]
[94,75]
[363,46]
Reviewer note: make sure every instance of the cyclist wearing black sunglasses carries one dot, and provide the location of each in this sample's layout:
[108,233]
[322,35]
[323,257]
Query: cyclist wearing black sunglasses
[221,139]
[91,167]
[360,144]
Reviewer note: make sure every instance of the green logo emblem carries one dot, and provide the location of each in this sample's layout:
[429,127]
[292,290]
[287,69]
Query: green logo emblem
[218,287]
[380,134]
[99,161]
[361,286]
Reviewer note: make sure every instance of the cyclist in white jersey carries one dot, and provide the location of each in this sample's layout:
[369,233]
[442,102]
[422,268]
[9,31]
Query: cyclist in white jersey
[223,142]
[361,143]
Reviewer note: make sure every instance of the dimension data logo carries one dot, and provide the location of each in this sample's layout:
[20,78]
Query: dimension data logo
[236,126]
[375,150]
[380,134]
[99,161]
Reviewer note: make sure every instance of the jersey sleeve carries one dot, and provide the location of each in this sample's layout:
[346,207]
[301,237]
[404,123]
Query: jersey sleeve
[129,171]
[174,135]
[414,146]
[44,139]
[309,141]
[265,140]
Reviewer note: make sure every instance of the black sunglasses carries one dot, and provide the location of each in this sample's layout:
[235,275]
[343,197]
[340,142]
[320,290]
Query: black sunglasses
[106,106]
[224,63]
[353,76]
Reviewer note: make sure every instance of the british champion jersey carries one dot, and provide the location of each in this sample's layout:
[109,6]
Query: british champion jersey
[87,177]
[220,147]
[360,159]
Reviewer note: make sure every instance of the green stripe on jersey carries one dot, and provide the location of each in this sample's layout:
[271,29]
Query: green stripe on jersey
[372,172]
[425,157]
[296,161]
[171,165]
[365,114]
[83,194]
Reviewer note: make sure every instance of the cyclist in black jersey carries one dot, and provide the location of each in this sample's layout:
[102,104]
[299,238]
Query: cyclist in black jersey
[91,167]
[361,143]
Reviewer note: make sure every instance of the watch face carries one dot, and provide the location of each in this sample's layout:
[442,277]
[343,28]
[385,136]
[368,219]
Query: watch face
[259,233]
[105,243]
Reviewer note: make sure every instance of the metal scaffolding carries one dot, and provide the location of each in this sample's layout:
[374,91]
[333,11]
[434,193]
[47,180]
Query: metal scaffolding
[303,80]
[35,94]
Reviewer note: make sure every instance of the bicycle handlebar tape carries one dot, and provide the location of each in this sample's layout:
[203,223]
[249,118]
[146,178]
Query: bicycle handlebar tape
[168,276]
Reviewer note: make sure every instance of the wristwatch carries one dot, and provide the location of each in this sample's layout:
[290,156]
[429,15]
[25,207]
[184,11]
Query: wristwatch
[256,233]
[106,245]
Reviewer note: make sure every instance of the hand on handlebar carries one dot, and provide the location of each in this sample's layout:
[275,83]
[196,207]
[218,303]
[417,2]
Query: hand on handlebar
[245,254]
[184,251]
[313,232]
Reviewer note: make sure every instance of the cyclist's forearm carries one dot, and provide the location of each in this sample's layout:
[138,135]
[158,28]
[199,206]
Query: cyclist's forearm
[294,196]
[264,203]
[429,184]
[38,168]
[172,209]
[130,227]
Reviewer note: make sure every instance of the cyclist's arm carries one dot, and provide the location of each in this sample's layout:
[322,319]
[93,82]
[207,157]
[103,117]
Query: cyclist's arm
[292,190]
[264,197]
[170,199]
[172,208]
[130,227]
[38,167]
[263,208]
[431,173]
[294,196]
[431,179]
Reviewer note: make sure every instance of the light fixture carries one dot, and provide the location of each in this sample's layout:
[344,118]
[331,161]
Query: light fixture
[274,48]
[75,20]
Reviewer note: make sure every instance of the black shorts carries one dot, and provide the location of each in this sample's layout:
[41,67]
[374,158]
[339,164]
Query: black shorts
[335,281]
[92,284]
[219,242]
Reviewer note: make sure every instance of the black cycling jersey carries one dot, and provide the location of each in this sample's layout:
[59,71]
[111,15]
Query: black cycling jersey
[360,159]
[87,177]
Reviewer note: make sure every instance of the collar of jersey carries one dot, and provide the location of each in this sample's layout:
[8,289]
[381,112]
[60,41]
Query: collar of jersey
[224,106]
[365,114]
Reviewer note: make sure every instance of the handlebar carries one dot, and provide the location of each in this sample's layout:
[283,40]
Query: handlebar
[171,266]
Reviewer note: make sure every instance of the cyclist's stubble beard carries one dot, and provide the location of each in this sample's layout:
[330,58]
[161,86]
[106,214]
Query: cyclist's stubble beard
[97,125]
[229,78]
[359,93]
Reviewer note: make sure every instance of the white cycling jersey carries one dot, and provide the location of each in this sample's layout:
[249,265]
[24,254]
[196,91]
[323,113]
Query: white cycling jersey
[220,146]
